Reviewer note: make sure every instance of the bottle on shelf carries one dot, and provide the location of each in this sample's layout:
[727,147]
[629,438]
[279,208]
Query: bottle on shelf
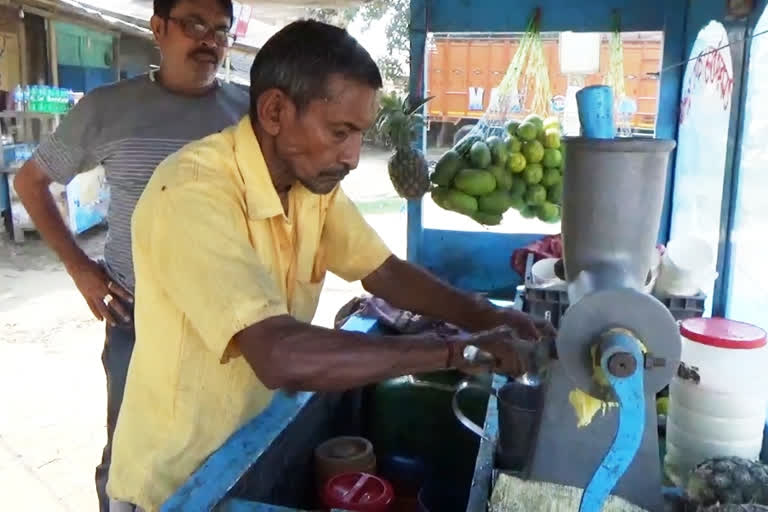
[34,98]
[25,100]
[18,99]
[47,98]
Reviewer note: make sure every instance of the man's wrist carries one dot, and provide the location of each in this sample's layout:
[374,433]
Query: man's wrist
[76,262]
[482,315]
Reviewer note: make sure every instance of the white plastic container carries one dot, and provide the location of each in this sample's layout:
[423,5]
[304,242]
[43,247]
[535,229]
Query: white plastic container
[543,272]
[687,267]
[719,407]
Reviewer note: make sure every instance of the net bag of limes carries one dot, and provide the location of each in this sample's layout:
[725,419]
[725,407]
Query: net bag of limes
[504,164]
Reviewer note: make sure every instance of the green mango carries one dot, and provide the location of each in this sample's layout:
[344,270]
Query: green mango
[480,155]
[460,202]
[462,148]
[446,169]
[475,182]
[498,150]
[440,197]
[497,202]
[487,219]
[503,177]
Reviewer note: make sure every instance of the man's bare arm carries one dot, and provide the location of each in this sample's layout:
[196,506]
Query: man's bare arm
[286,353]
[410,287]
[32,184]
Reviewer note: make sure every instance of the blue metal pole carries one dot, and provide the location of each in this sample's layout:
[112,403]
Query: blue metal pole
[416,86]
[736,35]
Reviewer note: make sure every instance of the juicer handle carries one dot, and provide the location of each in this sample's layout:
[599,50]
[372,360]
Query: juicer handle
[471,425]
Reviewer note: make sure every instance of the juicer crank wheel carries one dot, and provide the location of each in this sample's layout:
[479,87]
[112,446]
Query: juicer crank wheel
[642,315]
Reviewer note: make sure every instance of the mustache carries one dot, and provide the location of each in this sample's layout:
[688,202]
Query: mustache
[204,52]
[338,172]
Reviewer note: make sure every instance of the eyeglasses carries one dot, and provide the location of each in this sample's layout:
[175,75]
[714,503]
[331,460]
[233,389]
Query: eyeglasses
[198,30]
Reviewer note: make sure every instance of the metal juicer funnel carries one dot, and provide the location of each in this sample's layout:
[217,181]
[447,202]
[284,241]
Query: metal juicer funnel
[613,195]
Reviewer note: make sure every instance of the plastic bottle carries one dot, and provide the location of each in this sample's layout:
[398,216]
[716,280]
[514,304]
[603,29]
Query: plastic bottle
[47,99]
[26,97]
[32,98]
[18,99]
[56,101]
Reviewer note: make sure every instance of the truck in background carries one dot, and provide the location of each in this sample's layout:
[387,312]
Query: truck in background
[463,69]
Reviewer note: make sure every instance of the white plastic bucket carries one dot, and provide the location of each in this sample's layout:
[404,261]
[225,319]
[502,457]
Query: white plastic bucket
[543,272]
[721,411]
[687,268]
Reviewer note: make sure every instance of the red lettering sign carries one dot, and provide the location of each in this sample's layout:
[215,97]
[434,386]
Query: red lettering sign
[710,69]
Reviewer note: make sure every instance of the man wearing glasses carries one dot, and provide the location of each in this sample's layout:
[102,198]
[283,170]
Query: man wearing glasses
[129,128]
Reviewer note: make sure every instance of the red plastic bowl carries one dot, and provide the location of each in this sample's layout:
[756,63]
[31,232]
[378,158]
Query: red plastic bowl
[358,492]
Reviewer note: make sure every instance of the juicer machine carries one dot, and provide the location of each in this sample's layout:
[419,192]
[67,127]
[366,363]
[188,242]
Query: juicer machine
[615,342]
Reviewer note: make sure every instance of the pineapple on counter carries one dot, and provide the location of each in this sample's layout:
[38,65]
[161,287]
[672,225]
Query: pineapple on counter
[408,168]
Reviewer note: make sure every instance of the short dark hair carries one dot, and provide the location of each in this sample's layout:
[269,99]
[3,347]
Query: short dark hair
[162,8]
[301,57]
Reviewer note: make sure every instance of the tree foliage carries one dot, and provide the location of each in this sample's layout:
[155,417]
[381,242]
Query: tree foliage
[394,65]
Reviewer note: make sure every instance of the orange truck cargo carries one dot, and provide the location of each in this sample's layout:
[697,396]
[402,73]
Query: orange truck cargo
[464,68]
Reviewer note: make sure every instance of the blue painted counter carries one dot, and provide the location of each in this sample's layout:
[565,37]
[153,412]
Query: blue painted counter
[266,466]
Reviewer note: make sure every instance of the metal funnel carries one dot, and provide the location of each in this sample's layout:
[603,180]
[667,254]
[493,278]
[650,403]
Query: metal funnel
[613,195]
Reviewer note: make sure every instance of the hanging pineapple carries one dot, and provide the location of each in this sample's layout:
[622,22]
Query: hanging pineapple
[399,122]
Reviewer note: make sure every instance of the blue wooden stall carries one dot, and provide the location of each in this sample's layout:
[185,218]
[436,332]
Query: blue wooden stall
[479,261]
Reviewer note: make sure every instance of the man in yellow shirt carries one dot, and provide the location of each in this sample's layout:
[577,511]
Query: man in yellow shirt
[232,239]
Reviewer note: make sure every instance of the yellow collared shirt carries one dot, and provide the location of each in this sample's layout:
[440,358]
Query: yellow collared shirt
[214,253]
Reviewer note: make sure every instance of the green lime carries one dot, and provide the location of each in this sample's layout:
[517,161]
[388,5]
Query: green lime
[548,212]
[533,174]
[528,212]
[552,139]
[511,127]
[516,163]
[536,195]
[551,177]
[552,158]
[555,193]
[533,151]
[527,131]
[535,120]
[518,187]
[513,144]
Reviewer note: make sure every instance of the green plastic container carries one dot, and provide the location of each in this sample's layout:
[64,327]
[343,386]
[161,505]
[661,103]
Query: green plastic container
[412,416]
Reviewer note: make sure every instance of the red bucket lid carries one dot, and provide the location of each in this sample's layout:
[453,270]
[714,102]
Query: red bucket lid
[359,492]
[723,333]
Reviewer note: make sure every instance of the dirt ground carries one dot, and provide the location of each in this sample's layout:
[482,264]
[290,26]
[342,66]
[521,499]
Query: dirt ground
[52,387]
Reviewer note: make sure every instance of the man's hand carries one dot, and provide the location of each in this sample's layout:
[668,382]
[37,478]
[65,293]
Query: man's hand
[527,327]
[32,184]
[101,293]
[510,355]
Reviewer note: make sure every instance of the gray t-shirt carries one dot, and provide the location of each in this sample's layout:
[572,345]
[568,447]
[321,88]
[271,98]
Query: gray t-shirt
[129,128]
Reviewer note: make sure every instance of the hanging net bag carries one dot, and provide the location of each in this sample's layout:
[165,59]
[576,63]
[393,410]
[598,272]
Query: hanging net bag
[502,164]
